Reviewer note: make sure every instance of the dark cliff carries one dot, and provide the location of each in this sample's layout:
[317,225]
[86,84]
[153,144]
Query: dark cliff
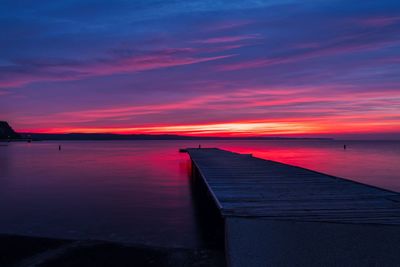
[6,132]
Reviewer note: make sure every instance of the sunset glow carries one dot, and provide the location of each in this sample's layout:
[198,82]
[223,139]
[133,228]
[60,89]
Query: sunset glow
[239,129]
[261,68]
[235,128]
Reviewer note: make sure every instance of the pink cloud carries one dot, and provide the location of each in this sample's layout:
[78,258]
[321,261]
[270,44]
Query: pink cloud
[62,71]
[283,105]
[379,21]
[143,63]
[341,45]
[257,63]
[228,39]
[227,25]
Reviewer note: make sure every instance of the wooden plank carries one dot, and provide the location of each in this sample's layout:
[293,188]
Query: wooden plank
[245,186]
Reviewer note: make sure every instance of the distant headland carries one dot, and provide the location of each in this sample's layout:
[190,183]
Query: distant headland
[7,133]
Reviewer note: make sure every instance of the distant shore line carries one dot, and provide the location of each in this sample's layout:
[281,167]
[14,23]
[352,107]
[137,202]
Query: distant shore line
[19,250]
[106,136]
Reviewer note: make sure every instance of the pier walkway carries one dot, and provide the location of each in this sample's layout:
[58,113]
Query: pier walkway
[269,207]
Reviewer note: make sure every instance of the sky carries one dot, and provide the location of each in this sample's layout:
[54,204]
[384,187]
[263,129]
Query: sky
[309,68]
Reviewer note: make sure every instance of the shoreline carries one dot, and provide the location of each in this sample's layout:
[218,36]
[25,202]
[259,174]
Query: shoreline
[18,250]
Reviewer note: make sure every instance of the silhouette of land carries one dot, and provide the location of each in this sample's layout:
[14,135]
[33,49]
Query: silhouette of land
[6,132]
[109,136]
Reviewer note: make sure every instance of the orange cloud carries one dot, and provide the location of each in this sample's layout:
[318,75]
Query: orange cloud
[245,128]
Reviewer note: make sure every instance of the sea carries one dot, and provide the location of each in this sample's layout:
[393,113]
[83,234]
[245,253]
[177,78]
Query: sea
[141,192]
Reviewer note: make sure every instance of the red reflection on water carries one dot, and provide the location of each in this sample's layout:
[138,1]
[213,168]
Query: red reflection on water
[123,191]
[370,162]
[139,191]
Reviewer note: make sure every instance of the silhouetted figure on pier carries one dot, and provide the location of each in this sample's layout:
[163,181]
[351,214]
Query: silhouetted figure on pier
[59,147]
[199,146]
[344,147]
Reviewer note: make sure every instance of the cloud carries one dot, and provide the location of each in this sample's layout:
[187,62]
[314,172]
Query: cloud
[243,128]
[343,44]
[25,72]
[228,39]
[379,21]
[257,111]
[211,66]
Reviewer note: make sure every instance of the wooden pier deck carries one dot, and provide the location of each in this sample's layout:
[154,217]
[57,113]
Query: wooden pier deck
[245,186]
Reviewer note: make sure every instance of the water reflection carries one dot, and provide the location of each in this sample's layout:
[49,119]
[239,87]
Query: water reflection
[129,191]
[371,162]
[141,191]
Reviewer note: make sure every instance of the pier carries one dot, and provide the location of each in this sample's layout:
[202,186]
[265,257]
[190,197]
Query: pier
[281,215]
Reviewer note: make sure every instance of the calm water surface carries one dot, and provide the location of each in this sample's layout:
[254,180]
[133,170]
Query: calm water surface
[140,191]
